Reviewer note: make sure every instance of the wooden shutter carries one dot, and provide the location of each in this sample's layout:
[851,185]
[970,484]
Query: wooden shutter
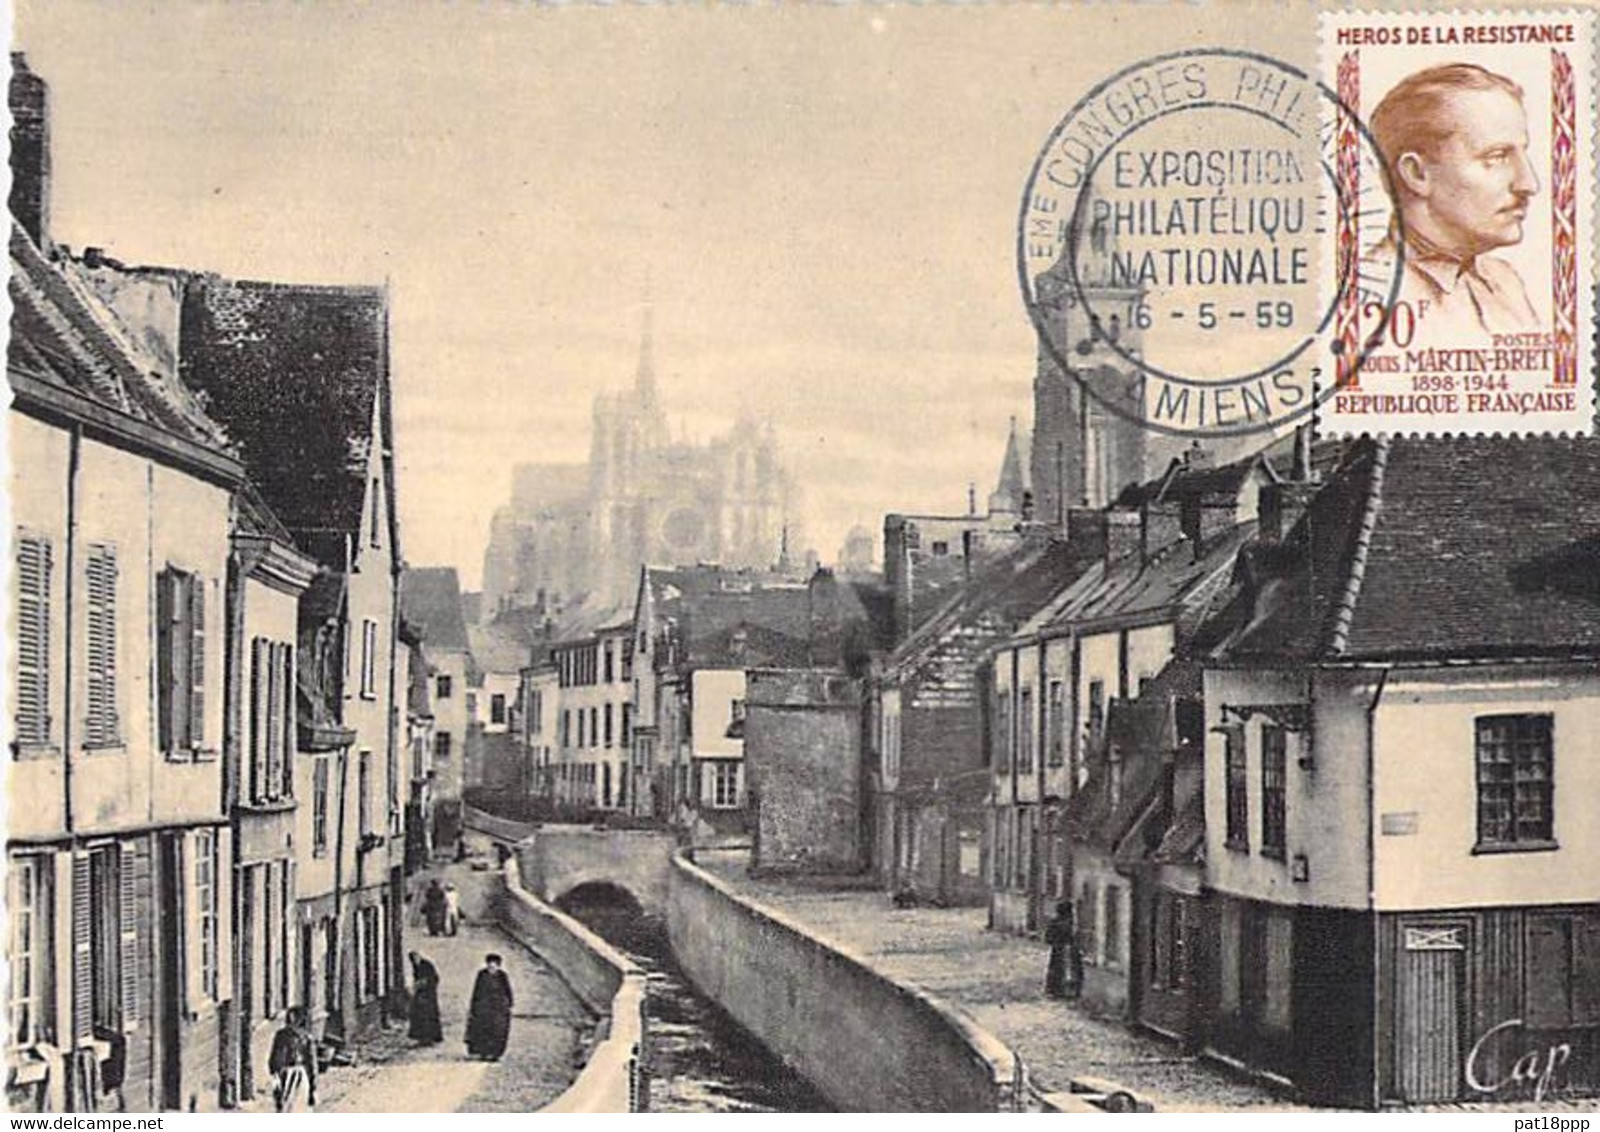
[197,662]
[167,606]
[102,728]
[222,887]
[1548,975]
[189,870]
[128,914]
[82,948]
[287,720]
[259,655]
[1586,970]
[33,640]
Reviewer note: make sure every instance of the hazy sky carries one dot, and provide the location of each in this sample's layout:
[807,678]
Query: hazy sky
[824,201]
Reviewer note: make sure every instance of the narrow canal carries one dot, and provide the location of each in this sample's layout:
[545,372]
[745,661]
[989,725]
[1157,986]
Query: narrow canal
[700,1059]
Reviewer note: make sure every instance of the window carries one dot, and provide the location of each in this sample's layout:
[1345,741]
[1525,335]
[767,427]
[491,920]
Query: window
[1025,733]
[33,723]
[940,548]
[1055,729]
[583,721]
[608,725]
[627,724]
[594,727]
[369,659]
[102,725]
[105,989]
[1562,973]
[443,687]
[1516,786]
[1089,923]
[725,785]
[610,671]
[1097,711]
[1238,803]
[205,903]
[1002,730]
[1113,927]
[441,746]
[181,661]
[364,792]
[30,904]
[374,535]
[627,660]
[369,950]
[566,727]
[271,729]
[1274,761]
[319,806]
[497,708]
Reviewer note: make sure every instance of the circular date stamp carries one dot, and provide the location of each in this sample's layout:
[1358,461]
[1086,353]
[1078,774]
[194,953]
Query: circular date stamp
[1190,243]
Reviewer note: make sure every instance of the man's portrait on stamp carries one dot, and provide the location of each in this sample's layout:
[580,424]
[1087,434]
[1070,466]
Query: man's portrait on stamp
[1455,140]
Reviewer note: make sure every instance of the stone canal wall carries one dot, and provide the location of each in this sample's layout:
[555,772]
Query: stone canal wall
[607,981]
[870,1043]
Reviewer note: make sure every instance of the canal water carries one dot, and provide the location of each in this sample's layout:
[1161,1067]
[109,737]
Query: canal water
[700,1059]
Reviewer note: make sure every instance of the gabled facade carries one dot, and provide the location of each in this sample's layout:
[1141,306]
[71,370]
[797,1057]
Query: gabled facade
[1399,779]
[1097,642]
[119,843]
[430,597]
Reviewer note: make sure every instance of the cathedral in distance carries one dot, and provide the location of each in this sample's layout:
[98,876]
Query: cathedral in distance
[579,533]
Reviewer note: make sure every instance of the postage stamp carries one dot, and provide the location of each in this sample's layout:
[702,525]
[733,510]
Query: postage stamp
[1485,124]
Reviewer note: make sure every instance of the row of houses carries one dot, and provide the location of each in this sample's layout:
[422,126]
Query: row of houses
[221,755]
[1305,740]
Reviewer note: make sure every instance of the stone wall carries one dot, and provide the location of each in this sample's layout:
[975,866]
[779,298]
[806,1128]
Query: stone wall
[607,981]
[870,1043]
[803,757]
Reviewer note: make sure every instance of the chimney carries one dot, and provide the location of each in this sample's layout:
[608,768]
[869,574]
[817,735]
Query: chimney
[822,601]
[1124,534]
[1282,504]
[1162,526]
[1197,457]
[30,150]
[897,536]
[1086,532]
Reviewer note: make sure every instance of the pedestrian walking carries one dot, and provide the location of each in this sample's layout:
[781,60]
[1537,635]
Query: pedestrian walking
[433,907]
[426,1029]
[293,1062]
[452,909]
[489,1018]
[1064,977]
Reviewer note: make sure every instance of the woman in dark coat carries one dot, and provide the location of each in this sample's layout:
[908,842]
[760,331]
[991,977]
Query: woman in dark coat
[1064,977]
[433,907]
[489,1019]
[425,1027]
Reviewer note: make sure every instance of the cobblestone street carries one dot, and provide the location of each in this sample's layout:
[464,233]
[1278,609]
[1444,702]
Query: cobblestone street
[998,979]
[391,1075]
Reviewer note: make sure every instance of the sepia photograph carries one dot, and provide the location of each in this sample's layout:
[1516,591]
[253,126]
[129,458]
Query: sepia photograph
[802,557]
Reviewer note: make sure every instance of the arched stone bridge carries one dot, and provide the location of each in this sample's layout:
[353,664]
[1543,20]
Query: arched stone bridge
[557,859]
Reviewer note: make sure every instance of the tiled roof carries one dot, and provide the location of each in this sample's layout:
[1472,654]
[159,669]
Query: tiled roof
[63,336]
[941,659]
[1175,577]
[296,374]
[430,598]
[1450,548]
[748,646]
[494,650]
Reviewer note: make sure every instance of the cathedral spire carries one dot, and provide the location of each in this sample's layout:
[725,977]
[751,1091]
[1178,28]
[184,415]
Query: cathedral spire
[644,381]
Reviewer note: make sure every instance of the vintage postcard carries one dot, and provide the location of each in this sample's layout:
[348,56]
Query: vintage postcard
[801,558]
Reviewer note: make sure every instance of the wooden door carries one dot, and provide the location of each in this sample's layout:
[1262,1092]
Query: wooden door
[1428,1012]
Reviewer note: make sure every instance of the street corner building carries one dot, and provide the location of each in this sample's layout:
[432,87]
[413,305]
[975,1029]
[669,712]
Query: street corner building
[206,825]
[1400,783]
